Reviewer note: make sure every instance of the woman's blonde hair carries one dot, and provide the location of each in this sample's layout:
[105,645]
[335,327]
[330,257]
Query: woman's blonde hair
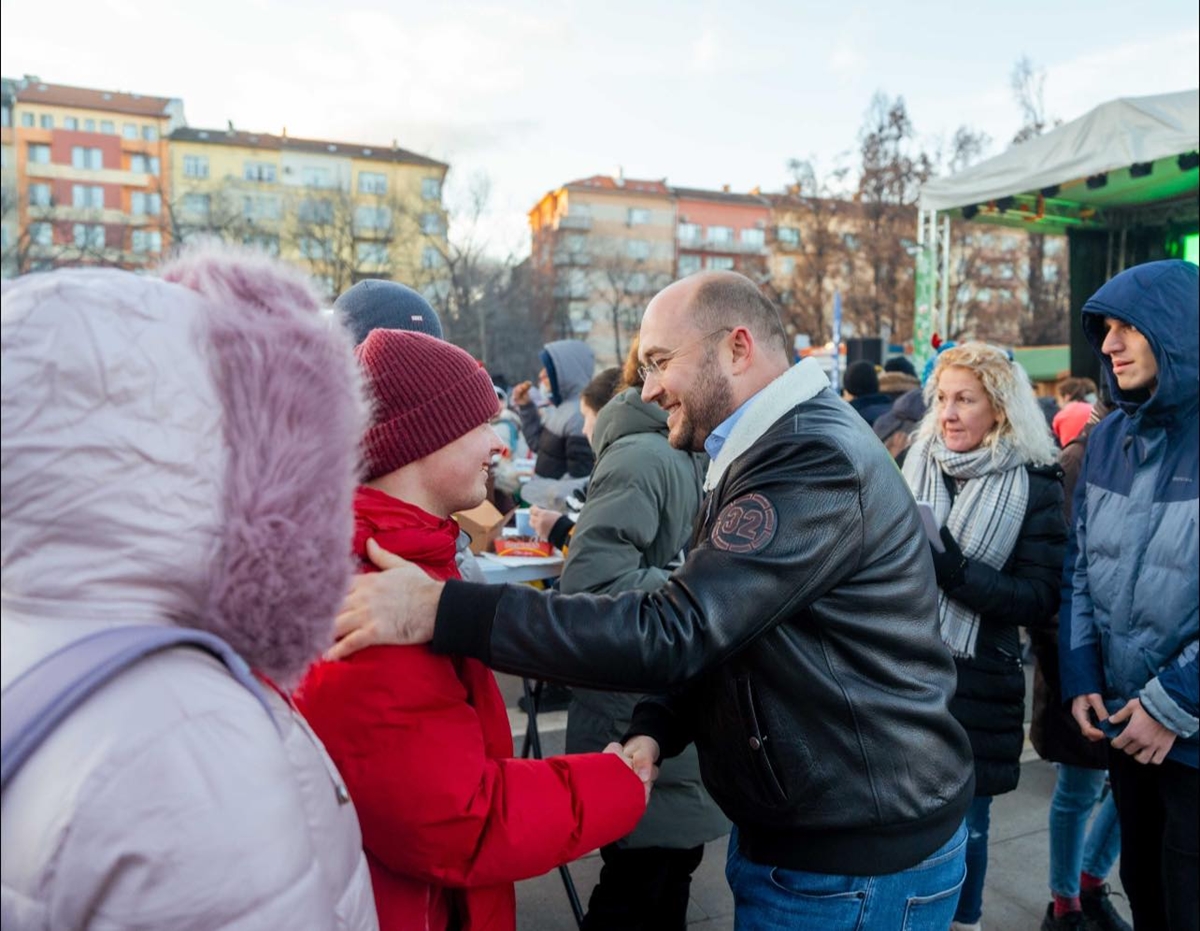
[1019,418]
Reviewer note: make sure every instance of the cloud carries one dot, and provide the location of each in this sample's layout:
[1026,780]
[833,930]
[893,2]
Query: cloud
[705,50]
[845,58]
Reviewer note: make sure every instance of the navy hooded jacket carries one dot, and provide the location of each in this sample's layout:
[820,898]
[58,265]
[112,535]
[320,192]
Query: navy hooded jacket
[1133,626]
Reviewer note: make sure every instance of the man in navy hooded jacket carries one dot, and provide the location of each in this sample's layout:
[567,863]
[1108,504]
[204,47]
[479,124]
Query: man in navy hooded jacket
[1128,654]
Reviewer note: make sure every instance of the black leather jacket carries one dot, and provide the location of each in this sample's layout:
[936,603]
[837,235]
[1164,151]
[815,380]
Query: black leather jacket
[801,639]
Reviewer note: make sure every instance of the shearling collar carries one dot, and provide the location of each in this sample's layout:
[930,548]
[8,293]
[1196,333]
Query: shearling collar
[798,384]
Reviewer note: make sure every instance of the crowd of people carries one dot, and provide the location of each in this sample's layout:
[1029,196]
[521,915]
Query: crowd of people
[247,651]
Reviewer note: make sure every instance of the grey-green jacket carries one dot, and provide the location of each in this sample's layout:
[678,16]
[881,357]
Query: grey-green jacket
[642,501]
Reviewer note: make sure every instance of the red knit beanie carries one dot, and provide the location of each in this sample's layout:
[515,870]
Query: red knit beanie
[425,394]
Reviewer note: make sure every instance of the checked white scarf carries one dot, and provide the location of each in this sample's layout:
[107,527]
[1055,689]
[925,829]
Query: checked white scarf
[985,516]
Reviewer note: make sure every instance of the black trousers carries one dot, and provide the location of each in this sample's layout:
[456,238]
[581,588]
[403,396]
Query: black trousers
[642,889]
[1158,811]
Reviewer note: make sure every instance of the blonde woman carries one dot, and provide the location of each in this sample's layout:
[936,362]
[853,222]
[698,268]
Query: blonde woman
[983,458]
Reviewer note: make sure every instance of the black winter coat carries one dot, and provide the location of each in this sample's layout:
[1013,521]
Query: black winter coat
[990,700]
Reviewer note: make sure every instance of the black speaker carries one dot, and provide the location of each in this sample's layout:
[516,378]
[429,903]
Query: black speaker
[867,347]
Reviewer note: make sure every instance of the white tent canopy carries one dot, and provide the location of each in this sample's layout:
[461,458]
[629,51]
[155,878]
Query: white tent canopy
[1047,177]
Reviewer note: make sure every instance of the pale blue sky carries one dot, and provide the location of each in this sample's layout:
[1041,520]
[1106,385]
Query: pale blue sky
[537,94]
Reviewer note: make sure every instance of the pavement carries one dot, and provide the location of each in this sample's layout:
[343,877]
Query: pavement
[1015,894]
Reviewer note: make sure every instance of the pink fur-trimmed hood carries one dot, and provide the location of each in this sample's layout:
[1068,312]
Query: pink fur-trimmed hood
[180,450]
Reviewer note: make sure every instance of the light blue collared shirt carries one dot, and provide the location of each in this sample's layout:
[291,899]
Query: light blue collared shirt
[716,440]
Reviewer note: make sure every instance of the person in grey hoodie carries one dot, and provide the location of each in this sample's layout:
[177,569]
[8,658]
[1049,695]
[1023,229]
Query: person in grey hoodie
[558,441]
[641,503]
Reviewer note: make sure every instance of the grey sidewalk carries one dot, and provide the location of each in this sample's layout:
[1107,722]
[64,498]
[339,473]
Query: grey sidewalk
[1015,896]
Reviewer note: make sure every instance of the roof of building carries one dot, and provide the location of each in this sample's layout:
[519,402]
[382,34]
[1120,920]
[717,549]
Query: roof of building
[249,140]
[90,98]
[727,197]
[630,185]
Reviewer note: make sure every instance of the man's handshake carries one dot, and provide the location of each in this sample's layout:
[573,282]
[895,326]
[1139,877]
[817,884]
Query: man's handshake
[641,755]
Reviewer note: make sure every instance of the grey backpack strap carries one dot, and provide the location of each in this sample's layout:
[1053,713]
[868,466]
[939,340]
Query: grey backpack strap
[38,700]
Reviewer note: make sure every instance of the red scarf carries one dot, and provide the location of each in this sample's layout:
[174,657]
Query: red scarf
[406,530]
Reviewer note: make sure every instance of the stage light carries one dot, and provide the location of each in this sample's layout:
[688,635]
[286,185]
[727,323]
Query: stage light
[1004,204]
[1096,182]
[1189,160]
[1051,191]
[1140,169]
[969,212]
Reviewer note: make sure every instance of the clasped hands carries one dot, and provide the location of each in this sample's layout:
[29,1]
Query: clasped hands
[1143,738]
[639,754]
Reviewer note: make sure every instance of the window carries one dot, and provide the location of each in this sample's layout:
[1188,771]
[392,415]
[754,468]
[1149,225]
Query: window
[720,234]
[70,122]
[371,253]
[638,216]
[41,234]
[259,171]
[87,157]
[689,232]
[372,182]
[638,283]
[145,241]
[637,249]
[788,235]
[143,203]
[431,188]
[261,207]
[688,264]
[431,224]
[27,120]
[87,196]
[88,236]
[89,126]
[316,177]
[850,241]
[719,263]
[137,164]
[753,237]
[129,130]
[195,166]
[315,211]
[431,258]
[107,127]
[47,121]
[575,243]
[150,134]
[197,205]
[314,248]
[787,267]
[266,243]
[153,165]
[39,195]
[39,154]
[372,218]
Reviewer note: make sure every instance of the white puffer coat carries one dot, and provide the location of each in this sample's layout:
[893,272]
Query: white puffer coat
[177,453]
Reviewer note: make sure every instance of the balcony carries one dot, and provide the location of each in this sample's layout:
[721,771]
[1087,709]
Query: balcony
[574,292]
[728,247]
[575,222]
[572,258]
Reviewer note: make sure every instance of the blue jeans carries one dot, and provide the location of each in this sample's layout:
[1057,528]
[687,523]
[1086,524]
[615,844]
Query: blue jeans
[921,898]
[970,900]
[1073,848]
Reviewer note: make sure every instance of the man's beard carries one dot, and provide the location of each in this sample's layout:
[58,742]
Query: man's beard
[709,403]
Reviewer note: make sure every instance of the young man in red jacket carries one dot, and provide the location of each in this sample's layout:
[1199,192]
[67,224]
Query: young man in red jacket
[449,819]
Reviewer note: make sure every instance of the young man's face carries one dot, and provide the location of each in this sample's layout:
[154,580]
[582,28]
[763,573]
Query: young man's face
[455,476]
[1133,362]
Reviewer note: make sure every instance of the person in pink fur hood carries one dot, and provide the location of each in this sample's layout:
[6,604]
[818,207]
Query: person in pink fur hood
[178,450]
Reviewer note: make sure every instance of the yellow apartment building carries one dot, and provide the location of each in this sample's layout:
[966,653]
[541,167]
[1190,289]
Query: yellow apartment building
[343,211]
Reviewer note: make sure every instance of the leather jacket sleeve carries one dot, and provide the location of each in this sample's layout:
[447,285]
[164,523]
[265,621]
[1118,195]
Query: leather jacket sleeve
[715,605]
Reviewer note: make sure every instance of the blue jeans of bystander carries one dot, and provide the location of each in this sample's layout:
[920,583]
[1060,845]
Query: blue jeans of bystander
[1073,847]
[970,900]
[917,899]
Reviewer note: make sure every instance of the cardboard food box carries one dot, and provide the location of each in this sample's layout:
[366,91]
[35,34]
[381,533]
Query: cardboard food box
[483,523]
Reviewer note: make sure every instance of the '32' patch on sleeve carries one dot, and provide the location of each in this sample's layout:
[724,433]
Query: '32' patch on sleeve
[745,525]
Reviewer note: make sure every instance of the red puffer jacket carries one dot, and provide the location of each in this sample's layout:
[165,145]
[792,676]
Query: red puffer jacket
[449,819]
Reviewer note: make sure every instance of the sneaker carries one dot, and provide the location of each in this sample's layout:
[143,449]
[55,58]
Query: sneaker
[1098,907]
[1071,921]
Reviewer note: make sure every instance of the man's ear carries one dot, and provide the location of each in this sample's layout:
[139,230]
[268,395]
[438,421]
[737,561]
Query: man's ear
[742,349]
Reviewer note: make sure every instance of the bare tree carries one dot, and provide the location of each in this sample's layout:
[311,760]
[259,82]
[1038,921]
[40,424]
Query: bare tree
[1045,318]
[621,283]
[880,264]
